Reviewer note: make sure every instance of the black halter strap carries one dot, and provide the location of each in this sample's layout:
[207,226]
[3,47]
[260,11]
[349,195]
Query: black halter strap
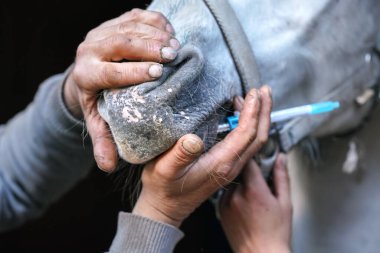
[237,43]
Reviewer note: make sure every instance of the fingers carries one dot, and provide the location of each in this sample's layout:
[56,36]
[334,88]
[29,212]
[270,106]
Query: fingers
[151,18]
[136,35]
[233,191]
[254,184]
[282,182]
[113,75]
[97,76]
[122,46]
[254,124]
[146,32]
[245,133]
[225,159]
[238,103]
[139,30]
[264,123]
[220,160]
[182,154]
[264,120]
[105,152]
[252,188]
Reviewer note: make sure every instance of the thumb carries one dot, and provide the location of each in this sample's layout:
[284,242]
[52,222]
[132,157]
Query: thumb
[104,148]
[183,153]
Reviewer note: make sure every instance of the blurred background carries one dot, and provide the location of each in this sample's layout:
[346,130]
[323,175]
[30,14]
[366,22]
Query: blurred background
[39,39]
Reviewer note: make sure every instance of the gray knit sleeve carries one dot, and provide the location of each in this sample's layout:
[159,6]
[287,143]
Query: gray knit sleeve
[42,155]
[137,234]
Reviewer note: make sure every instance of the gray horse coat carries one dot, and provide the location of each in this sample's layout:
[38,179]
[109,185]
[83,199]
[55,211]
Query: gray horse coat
[307,51]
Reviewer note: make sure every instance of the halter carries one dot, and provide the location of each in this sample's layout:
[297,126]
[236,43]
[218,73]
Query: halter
[245,63]
[237,43]
[244,59]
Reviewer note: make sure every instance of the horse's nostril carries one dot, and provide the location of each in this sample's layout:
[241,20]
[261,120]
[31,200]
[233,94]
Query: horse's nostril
[177,75]
[147,119]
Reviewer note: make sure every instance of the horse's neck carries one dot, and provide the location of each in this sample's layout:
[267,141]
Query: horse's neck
[194,24]
[313,43]
[273,30]
[188,17]
[272,25]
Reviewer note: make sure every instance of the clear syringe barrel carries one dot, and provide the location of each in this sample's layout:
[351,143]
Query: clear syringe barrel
[287,114]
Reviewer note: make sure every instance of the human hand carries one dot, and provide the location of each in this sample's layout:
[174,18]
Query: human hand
[253,218]
[144,38]
[174,185]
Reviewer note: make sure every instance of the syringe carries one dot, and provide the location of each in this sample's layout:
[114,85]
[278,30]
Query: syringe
[287,114]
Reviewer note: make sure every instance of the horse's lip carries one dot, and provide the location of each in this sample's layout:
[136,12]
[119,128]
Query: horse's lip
[146,137]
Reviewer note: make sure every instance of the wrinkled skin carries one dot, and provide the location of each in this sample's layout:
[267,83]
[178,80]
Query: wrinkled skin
[304,50]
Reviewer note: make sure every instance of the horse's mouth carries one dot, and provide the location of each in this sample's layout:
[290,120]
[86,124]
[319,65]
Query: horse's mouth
[147,119]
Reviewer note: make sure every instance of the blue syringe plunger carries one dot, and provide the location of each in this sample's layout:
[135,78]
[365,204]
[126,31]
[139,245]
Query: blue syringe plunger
[324,107]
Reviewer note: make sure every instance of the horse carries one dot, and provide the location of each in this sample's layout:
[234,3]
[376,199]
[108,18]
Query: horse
[307,51]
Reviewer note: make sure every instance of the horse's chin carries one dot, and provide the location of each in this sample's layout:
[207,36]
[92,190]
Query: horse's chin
[143,132]
[147,119]
[141,149]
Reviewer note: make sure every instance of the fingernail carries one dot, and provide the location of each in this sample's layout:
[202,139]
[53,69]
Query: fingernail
[269,91]
[101,158]
[104,170]
[168,53]
[105,162]
[169,28]
[284,161]
[254,94]
[174,44]
[240,100]
[192,145]
[258,94]
[155,70]
[238,103]
[100,167]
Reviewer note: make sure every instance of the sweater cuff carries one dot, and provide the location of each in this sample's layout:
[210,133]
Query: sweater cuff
[137,234]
